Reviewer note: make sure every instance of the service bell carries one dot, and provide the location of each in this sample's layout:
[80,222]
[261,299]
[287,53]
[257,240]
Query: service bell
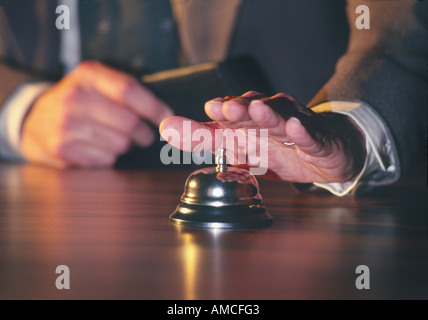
[221,197]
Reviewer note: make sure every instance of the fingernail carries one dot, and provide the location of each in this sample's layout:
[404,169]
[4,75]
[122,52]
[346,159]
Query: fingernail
[214,102]
[256,101]
[295,119]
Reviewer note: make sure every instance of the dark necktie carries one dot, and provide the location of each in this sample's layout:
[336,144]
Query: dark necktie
[137,36]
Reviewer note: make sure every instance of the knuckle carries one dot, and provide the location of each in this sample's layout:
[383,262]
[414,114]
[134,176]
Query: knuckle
[72,95]
[62,141]
[252,93]
[66,123]
[128,85]
[86,67]
[60,147]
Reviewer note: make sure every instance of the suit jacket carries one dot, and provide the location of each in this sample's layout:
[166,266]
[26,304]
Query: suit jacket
[308,48]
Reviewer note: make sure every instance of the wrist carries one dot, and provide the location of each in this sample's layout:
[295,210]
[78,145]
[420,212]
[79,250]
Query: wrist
[12,117]
[382,165]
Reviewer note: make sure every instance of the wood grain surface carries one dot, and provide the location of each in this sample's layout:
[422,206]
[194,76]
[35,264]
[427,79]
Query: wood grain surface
[111,228]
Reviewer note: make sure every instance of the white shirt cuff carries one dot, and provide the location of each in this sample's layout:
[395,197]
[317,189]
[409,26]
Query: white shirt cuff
[12,115]
[382,165]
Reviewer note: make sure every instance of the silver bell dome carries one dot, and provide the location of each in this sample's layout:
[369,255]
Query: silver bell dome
[221,197]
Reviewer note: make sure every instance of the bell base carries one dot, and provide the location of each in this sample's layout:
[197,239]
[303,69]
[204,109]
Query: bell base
[234,216]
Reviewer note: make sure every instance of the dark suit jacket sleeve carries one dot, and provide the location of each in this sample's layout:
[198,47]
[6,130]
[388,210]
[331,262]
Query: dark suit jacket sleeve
[28,43]
[10,79]
[386,67]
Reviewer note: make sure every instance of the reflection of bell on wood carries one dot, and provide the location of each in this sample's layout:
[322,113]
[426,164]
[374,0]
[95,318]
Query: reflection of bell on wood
[221,197]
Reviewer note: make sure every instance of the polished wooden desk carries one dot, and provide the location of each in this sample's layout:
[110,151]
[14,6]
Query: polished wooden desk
[111,229]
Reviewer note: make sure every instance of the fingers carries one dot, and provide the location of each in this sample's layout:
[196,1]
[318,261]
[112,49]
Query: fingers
[281,114]
[231,108]
[83,111]
[253,110]
[94,112]
[310,149]
[105,112]
[319,152]
[108,106]
[100,137]
[86,144]
[232,111]
[84,154]
[124,90]
[265,117]
[213,109]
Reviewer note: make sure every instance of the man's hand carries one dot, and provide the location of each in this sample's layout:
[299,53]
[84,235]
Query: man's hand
[89,118]
[325,147]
